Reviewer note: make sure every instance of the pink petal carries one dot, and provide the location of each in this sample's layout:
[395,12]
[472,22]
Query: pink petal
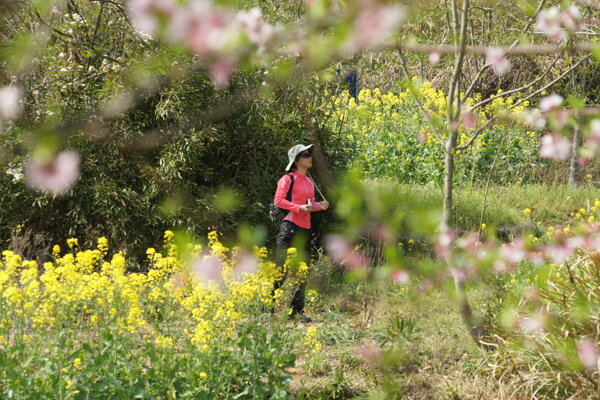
[374,26]
[571,18]
[370,354]
[555,147]
[207,269]
[443,247]
[434,58]
[337,247]
[496,57]
[246,264]
[549,24]
[55,177]
[469,120]
[10,106]
[587,350]
[207,29]
[559,252]
[459,274]
[220,72]
[534,323]
[535,119]
[144,13]
[340,251]
[595,131]
[401,277]
[514,253]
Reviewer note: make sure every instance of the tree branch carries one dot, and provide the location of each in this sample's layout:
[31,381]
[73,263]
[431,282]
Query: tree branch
[452,89]
[518,50]
[519,89]
[519,102]
[416,99]
[522,32]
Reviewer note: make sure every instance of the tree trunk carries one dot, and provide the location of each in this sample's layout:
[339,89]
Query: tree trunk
[477,332]
[320,164]
[573,167]
[448,181]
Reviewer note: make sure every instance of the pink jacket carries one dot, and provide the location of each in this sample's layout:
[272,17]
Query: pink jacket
[303,190]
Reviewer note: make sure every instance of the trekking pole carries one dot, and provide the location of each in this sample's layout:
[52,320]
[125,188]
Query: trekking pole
[318,190]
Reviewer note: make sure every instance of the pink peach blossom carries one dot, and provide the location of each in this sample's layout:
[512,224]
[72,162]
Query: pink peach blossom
[220,72]
[144,13]
[10,106]
[340,251]
[534,323]
[551,102]
[514,253]
[207,269]
[434,58]
[469,120]
[496,57]
[56,176]
[443,247]
[555,147]
[534,119]
[374,26]
[245,264]
[258,31]
[207,29]
[400,277]
[587,349]
[548,22]
[571,18]
[594,135]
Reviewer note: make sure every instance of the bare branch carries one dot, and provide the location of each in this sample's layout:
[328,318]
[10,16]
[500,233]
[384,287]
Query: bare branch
[518,50]
[454,84]
[521,101]
[419,104]
[519,89]
[522,32]
[589,3]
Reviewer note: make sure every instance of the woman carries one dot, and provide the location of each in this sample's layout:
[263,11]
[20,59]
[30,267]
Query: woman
[295,227]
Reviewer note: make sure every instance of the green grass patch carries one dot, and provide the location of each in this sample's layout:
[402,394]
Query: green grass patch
[505,205]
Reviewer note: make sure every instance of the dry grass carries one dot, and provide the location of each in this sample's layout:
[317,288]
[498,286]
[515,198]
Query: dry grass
[440,362]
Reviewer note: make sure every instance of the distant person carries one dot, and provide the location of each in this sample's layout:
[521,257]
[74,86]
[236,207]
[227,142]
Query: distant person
[295,227]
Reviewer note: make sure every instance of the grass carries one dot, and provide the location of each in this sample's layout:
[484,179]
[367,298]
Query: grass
[434,358]
[505,204]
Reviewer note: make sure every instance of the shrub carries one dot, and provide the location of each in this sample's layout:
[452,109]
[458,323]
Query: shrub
[388,133]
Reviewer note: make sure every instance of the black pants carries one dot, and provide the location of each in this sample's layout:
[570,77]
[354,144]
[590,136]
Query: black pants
[291,235]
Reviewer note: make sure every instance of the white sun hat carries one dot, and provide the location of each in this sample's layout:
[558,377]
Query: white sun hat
[293,153]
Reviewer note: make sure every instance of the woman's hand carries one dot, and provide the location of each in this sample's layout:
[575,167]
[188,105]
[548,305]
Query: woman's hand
[324,205]
[306,208]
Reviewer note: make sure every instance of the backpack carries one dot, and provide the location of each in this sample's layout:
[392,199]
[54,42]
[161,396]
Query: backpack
[278,213]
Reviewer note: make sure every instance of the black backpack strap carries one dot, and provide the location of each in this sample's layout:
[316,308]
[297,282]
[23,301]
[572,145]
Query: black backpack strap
[288,197]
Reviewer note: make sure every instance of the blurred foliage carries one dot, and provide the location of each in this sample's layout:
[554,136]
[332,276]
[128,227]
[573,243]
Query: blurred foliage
[160,147]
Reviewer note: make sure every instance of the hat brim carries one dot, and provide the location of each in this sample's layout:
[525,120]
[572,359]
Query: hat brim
[300,150]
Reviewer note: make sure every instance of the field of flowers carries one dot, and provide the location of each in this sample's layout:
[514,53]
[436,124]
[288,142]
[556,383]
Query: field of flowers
[388,133]
[193,325]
